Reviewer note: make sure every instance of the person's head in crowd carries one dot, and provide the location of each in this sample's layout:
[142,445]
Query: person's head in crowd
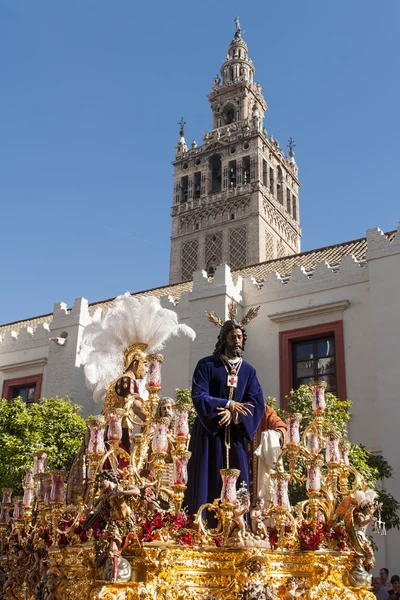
[394,578]
[384,575]
[377,584]
[396,586]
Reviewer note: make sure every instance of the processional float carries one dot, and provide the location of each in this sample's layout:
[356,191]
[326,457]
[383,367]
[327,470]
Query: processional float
[117,531]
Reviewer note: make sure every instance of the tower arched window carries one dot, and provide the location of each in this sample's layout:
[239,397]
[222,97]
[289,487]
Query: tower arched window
[197,184]
[294,208]
[184,188]
[280,185]
[229,114]
[288,201]
[216,173]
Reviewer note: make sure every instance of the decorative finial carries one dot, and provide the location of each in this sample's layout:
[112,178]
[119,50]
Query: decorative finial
[182,123]
[238,29]
[291,145]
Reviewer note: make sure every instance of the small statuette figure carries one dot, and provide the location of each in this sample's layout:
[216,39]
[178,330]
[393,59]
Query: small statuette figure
[256,588]
[293,589]
[48,586]
[194,145]
[257,516]
[256,117]
[217,80]
[238,524]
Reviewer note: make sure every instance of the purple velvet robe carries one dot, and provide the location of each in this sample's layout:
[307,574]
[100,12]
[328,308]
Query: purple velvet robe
[210,391]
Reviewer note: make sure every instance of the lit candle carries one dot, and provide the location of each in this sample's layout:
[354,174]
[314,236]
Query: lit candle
[314,475]
[229,479]
[280,489]
[4,514]
[181,422]
[18,512]
[39,461]
[7,493]
[57,486]
[345,448]
[332,452]
[28,479]
[180,461]
[97,426]
[154,373]
[28,496]
[115,425]
[313,443]
[41,489]
[293,430]
[318,393]
[160,435]
[47,482]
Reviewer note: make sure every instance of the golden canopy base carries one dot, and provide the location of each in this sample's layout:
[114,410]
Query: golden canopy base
[167,572]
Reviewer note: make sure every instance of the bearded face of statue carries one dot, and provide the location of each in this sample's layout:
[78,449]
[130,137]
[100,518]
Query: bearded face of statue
[166,409]
[234,343]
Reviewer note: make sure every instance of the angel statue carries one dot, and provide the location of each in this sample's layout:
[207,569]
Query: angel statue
[358,512]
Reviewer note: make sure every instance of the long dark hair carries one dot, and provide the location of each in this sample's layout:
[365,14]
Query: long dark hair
[225,329]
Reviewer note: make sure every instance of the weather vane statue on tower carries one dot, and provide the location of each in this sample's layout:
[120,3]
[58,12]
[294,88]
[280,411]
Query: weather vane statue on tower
[182,124]
[238,29]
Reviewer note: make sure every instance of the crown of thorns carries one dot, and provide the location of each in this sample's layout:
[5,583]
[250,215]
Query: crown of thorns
[232,314]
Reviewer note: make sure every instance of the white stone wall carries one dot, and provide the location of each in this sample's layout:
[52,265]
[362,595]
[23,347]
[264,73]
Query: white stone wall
[364,295]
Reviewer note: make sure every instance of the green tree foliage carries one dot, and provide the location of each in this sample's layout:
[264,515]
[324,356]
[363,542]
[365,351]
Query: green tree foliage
[53,425]
[373,467]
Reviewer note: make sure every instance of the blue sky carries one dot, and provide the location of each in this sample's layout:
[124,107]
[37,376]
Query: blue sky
[91,92]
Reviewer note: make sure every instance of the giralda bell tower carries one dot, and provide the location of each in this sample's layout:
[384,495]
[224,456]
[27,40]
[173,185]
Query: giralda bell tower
[236,197]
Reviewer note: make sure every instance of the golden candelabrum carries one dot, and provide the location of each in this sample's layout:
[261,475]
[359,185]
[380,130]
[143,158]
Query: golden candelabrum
[137,494]
[320,460]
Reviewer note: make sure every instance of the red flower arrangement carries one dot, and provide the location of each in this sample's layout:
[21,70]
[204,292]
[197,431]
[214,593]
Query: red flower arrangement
[66,523]
[309,538]
[273,537]
[327,535]
[167,527]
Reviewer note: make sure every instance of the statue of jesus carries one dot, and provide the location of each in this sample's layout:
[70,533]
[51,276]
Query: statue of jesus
[229,404]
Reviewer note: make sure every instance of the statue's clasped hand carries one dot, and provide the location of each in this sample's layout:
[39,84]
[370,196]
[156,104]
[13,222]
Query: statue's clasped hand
[234,409]
[226,416]
[241,409]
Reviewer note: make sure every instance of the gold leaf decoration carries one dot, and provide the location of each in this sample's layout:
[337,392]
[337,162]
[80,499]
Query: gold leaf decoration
[214,319]
[250,315]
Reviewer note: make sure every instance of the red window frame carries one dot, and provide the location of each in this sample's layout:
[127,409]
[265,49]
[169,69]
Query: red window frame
[286,341]
[9,384]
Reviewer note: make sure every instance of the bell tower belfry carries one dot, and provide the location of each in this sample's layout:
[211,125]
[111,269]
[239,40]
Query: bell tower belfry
[236,197]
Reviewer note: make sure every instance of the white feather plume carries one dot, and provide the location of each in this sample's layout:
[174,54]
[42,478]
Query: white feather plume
[131,320]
